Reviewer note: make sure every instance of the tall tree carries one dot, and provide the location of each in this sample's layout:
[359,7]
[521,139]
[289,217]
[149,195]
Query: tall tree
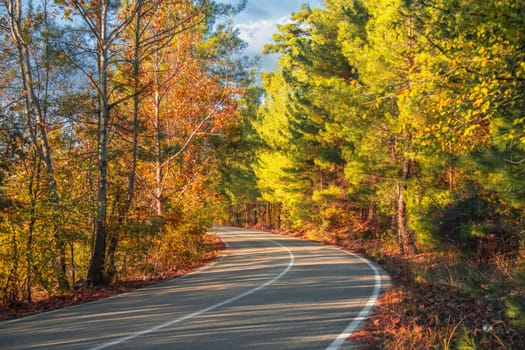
[105,30]
[23,27]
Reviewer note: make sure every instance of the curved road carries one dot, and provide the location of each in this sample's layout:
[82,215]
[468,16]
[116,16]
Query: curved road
[267,292]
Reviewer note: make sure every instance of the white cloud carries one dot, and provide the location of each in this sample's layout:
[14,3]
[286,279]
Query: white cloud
[258,23]
[257,33]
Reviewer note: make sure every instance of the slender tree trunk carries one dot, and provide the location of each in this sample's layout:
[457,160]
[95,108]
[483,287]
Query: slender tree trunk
[401,219]
[279,205]
[124,209]
[451,179]
[10,293]
[246,214]
[96,268]
[38,131]
[406,239]
[159,171]
[73,270]
[269,215]
[34,178]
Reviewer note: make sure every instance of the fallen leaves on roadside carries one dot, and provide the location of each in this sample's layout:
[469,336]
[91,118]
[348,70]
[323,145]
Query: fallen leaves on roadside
[414,315]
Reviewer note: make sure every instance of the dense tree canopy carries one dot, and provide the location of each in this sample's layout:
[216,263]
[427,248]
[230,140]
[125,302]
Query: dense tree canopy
[401,120]
[127,127]
[110,115]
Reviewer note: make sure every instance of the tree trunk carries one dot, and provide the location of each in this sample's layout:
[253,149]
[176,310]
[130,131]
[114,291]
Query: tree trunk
[269,215]
[451,179]
[279,216]
[126,206]
[159,171]
[96,267]
[401,219]
[32,105]
[406,239]
[34,179]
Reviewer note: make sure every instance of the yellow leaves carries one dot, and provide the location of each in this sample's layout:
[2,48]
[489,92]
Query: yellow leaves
[443,102]
[483,62]
[355,83]
[485,107]
[477,102]
[469,131]
[520,73]
[67,14]
[480,99]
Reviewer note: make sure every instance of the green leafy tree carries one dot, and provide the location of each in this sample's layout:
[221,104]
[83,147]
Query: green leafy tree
[237,153]
[313,73]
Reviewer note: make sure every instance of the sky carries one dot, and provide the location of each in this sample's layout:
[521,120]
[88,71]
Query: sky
[258,22]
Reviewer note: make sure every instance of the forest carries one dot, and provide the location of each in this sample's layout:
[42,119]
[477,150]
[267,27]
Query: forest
[394,128]
[397,128]
[113,114]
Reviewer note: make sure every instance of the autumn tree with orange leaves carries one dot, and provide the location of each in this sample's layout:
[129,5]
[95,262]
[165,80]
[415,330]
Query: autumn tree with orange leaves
[183,107]
[108,165]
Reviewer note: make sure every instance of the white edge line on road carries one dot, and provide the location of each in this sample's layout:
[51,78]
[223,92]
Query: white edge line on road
[363,315]
[200,312]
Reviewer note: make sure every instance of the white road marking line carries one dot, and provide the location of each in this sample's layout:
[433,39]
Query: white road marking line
[200,312]
[363,314]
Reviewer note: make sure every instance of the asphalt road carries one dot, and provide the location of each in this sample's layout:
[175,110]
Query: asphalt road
[267,292]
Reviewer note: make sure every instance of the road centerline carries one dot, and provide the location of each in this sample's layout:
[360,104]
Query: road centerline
[202,311]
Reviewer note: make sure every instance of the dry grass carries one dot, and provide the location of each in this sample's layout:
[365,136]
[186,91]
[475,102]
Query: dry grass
[432,306]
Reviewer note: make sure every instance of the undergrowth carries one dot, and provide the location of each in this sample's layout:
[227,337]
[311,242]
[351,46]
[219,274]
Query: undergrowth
[211,248]
[440,301]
